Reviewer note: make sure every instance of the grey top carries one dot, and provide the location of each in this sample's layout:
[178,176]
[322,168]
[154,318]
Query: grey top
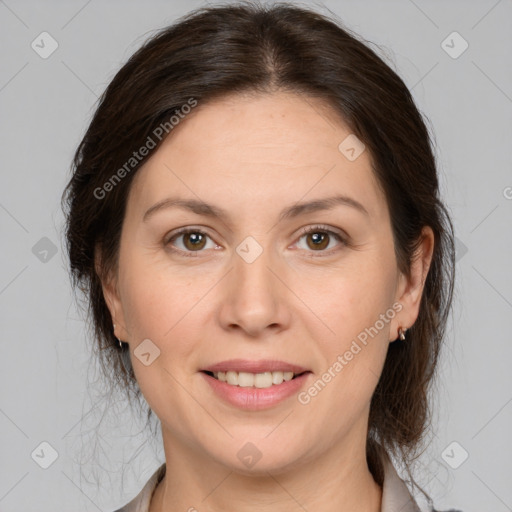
[395,495]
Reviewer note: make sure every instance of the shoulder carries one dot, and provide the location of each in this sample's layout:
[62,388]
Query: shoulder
[396,494]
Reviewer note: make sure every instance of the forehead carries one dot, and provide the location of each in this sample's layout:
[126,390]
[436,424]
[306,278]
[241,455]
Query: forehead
[259,150]
[272,121]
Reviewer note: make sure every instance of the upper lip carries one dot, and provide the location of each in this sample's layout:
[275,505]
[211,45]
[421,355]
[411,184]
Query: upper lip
[261,366]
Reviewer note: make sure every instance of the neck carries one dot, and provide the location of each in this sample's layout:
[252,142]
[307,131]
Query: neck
[338,480]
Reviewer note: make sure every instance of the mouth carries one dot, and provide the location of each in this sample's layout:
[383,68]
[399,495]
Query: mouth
[260,380]
[249,373]
[254,385]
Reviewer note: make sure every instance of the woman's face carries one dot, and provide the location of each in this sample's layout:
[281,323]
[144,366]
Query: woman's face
[250,285]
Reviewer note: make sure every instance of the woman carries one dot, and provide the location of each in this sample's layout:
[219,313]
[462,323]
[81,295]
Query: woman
[255,219]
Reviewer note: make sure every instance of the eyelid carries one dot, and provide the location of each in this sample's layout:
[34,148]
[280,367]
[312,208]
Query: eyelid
[311,228]
[187,229]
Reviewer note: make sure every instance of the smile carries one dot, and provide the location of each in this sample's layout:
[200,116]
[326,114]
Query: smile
[255,391]
[258,380]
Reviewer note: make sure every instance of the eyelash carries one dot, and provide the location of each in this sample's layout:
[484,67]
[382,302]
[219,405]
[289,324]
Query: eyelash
[304,231]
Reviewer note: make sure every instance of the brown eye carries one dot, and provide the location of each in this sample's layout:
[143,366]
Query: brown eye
[318,239]
[193,241]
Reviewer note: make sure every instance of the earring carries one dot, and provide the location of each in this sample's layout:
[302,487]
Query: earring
[120,342]
[401,333]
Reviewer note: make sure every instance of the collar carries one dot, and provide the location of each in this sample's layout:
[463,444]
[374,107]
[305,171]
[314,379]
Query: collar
[395,494]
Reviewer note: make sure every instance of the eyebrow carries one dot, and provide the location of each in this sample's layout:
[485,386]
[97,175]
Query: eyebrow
[209,210]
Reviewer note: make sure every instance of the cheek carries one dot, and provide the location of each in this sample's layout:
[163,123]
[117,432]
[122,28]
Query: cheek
[351,298]
[357,306]
[163,308]
[352,357]
[169,306]
[153,300]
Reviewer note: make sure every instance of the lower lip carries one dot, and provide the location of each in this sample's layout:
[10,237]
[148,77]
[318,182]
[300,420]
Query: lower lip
[256,399]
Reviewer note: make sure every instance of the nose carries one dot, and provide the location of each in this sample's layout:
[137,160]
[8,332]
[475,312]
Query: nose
[254,297]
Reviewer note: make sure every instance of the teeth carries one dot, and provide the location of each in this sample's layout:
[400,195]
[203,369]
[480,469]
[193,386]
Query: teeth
[258,380]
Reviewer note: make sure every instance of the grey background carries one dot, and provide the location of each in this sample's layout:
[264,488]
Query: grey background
[46,366]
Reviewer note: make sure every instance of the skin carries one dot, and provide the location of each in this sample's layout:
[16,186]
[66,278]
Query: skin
[254,156]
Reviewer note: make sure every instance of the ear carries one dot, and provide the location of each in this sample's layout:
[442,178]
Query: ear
[111,296]
[410,289]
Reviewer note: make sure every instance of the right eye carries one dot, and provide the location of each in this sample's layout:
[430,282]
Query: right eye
[194,240]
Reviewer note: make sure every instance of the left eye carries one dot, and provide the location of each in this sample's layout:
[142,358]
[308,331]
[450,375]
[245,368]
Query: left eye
[320,238]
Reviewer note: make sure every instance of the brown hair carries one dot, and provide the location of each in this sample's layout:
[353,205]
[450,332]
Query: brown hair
[249,48]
